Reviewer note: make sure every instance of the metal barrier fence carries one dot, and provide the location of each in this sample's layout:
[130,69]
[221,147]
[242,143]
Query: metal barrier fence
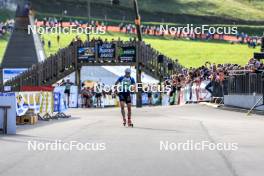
[248,83]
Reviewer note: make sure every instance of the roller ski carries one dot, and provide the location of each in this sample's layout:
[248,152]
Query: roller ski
[124,121]
[130,124]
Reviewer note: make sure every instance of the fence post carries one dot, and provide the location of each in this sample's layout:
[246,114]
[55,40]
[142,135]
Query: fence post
[5,108]
[138,72]
[1,80]
[77,68]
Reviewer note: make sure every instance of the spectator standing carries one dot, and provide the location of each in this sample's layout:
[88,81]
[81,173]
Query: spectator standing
[86,97]
[67,91]
[98,94]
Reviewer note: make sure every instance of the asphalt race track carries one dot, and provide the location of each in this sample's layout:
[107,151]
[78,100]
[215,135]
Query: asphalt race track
[137,151]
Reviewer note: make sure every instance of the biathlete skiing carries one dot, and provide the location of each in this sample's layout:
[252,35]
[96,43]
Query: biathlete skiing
[127,83]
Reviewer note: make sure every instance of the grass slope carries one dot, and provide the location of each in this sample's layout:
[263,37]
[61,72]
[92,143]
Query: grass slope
[231,9]
[189,53]
[242,9]
[3,44]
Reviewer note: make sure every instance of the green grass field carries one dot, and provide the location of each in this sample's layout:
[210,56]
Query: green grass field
[3,44]
[242,9]
[189,53]
[234,9]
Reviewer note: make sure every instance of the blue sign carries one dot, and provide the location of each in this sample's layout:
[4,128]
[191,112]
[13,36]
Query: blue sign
[9,73]
[59,99]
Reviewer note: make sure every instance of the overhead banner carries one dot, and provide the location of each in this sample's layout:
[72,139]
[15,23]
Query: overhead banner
[106,51]
[9,73]
[86,54]
[127,54]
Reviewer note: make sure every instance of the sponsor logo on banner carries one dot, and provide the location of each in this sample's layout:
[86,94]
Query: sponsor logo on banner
[127,54]
[40,102]
[86,54]
[46,105]
[106,51]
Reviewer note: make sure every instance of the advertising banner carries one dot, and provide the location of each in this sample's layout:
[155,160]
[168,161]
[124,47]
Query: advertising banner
[40,102]
[109,100]
[106,51]
[165,100]
[204,94]
[56,96]
[9,73]
[155,99]
[28,100]
[144,98]
[195,92]
[86,54]
[46,103]
[73,97]
[127,53]
[36,89]
[59,99]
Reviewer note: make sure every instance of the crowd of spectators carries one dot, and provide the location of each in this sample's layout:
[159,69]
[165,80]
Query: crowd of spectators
[92,96]
[92,93]
[215,74]
[56,22]
[209,70]
[251,41]
[155,30]
[6,27]
[152,30]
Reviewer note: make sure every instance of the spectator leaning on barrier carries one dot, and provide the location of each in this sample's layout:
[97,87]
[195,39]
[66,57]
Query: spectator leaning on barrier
[216,74]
